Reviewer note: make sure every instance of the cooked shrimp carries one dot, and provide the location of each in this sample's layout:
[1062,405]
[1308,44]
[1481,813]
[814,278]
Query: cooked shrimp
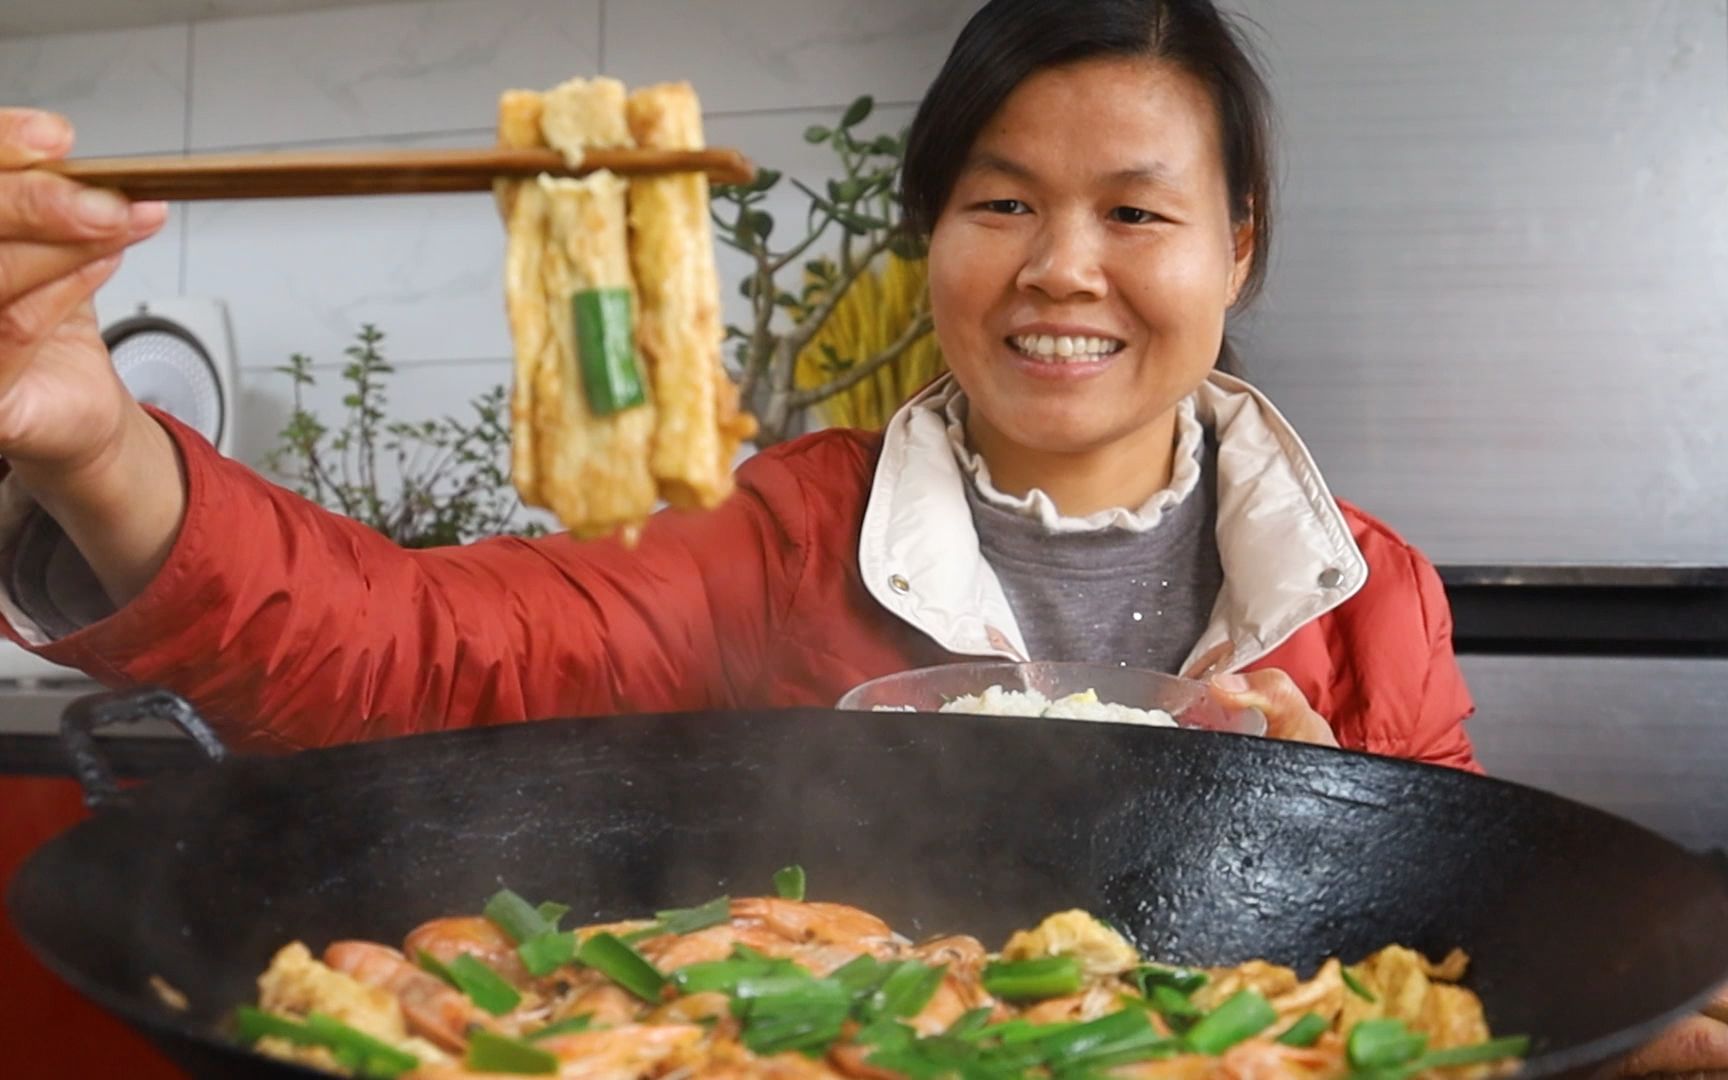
[804,922]
[622,1053]
[1258,1059]
[431,1007]
[473,935]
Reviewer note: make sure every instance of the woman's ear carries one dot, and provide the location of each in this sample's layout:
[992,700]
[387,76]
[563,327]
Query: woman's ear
[1242,236]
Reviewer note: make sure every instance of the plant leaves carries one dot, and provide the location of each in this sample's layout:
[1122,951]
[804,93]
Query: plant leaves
[858,111]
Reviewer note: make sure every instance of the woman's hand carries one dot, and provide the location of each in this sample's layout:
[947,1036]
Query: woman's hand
[1697,1045]
[72,435]
[61,405]
[1288,714]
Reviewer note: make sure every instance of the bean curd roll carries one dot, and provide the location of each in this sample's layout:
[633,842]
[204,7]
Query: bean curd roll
[572,308]
[698,427]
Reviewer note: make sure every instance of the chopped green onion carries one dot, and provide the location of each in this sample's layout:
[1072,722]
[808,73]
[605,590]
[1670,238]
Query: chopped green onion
[605,349]
[517,917]
[1024,980]
[1174,1006]
[1356,987]
[623,965]
[690,920]
[1512,1046]
[544,953]
[492,1053]
[1021,1030]
[1078,1040]
[971,1023]
[862,975]
[908,988]
[782,1014]
[485,987]
[1245,1015]
[885,1035]
[1383,1044]
[570,1025]
[255,1024]
[683,920]
[1182,980]
[789,882]
[552,912]
[1304,1032]
[1115,1039]
[725,975]
[370,1058]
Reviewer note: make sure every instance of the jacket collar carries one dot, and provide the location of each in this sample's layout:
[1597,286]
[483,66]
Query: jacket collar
[1286,548]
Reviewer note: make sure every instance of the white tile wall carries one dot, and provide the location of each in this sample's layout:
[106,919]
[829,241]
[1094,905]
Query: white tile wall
[777,54]
[383,70]
[125,91]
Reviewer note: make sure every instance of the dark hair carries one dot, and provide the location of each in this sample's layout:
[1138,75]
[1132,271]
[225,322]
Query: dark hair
[1008,40]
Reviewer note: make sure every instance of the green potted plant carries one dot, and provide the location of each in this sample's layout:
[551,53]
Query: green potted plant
[423,484]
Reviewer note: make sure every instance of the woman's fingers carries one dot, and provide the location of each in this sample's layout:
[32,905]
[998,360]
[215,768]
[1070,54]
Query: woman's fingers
[30,320]
[31,135]
[44,207]
[1288,714]
[26,267]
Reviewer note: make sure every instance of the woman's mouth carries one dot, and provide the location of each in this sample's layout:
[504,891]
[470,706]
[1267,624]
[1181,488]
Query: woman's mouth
[1048,349]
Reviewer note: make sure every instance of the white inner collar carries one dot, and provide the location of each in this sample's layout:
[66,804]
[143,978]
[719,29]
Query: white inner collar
[1035,504]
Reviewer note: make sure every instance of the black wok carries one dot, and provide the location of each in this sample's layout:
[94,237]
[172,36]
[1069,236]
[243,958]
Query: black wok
[1587,932]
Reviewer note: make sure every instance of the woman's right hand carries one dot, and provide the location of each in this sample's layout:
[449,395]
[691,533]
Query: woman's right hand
[73,436]
[61,405]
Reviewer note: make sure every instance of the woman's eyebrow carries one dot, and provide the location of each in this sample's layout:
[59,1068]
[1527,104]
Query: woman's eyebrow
[995,163]
[1154,172]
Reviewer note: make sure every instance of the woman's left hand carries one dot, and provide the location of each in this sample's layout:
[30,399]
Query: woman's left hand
[1288,714]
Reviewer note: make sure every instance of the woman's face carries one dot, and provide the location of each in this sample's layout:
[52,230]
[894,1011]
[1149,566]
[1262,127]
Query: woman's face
[1082,267]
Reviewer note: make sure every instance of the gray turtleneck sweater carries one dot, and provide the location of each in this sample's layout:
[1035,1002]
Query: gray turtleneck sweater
[1108,594]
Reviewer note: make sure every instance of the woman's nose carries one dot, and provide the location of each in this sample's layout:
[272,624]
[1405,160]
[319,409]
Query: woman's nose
[1065,263]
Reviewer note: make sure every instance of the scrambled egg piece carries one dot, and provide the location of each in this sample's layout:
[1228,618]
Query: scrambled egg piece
[1100,950]
[298,984]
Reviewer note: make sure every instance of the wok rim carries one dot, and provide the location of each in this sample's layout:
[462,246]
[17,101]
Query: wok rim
[162,1029]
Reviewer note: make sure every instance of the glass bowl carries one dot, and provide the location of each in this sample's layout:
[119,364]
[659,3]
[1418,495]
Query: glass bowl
[928,689]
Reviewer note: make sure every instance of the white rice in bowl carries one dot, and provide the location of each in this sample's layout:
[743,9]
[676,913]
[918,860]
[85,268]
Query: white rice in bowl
[1083,706]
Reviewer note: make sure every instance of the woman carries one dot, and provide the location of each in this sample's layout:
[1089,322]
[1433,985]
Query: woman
[1084,488]
[1094,180]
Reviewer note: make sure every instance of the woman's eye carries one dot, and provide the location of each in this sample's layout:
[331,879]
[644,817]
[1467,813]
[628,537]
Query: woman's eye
[1132,215]
[1004,206]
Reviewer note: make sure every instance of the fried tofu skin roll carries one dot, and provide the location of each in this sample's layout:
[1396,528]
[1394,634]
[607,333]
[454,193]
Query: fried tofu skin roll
[699,425]
[572,304]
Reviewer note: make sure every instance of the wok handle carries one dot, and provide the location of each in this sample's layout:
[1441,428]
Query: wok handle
[82,719]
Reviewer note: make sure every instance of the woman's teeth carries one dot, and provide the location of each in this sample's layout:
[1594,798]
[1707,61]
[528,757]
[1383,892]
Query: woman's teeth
[1064,350]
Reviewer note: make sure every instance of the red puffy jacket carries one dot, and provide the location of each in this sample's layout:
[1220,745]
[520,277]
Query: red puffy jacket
[292,627]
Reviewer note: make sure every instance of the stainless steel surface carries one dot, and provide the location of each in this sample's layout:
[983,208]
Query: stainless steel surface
[1497,311]
[1646,739]
[1566,576]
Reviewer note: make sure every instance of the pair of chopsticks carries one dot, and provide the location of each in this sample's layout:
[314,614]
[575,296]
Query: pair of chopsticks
[376,172]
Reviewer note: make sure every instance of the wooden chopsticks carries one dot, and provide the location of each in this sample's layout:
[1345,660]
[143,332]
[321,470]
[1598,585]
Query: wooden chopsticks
[375,172]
